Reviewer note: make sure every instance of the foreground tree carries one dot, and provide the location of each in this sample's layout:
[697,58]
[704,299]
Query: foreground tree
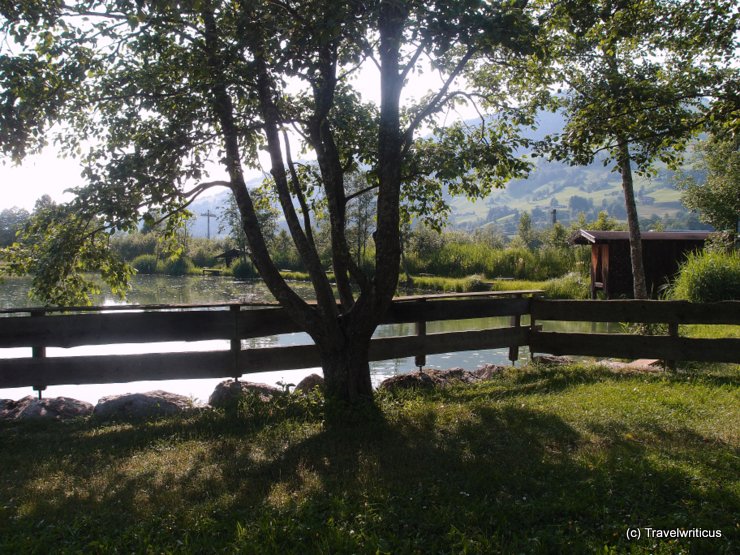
[151,91]
[639,80]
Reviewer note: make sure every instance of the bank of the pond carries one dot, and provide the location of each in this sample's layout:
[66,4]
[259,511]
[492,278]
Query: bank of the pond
[537,460]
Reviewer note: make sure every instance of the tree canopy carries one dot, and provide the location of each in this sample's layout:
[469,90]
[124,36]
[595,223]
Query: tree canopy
[637,80]
[152,95]
[716,194]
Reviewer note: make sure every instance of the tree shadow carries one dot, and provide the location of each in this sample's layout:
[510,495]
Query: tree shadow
[494,479]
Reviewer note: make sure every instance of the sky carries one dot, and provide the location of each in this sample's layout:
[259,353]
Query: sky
[46,173]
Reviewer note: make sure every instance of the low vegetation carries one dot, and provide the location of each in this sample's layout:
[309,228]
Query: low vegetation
[536,460]
[708,277]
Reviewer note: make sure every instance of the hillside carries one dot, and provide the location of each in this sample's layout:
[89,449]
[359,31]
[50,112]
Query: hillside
[570,190]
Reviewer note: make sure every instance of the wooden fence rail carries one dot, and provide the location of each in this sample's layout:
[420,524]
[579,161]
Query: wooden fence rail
[237,322]
[233,322]
[669,347]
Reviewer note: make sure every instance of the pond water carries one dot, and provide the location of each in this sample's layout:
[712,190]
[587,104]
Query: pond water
[213,289]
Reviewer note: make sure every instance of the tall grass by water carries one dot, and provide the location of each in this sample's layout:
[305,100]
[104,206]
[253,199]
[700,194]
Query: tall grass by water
[534,461]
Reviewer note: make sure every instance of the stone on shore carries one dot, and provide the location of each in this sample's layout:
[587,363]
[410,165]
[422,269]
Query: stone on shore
[552,360]
[308,383]
[428,379]
[228,393]
[53,408]
[141,405]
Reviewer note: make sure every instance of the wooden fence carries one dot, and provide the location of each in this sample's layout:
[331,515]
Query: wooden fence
[40,329]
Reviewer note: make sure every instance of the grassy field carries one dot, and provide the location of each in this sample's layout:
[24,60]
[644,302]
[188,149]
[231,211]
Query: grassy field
[535,461]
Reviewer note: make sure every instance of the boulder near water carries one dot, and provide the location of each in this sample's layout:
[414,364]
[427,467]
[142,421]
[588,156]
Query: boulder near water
[228,393]
[53,408]
[431,378]
[309,383]
[142,405]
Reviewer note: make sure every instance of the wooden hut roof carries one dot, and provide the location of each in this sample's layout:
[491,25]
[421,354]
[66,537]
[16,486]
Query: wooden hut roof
[588,237]
[231,253]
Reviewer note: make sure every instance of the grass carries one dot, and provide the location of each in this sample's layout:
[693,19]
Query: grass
[571,286]
[535,461]
[448,284]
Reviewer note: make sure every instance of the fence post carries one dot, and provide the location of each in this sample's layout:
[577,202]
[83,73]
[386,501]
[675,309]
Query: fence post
[672,332]
[420,360]
[38,351]
[532,328]
[516,321]
[236,343]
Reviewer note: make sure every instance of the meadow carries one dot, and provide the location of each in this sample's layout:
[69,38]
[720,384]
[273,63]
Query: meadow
[537,460]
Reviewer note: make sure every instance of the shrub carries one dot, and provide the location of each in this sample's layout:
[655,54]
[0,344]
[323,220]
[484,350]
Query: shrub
[180,266]
[708,277]
[244,270]
[132,245]
[204,258]
[145,264]
[571,286]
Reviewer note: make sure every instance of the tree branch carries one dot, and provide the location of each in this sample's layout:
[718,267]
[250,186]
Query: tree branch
[435,103]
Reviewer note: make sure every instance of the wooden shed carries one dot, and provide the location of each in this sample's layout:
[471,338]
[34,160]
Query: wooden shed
[611,268]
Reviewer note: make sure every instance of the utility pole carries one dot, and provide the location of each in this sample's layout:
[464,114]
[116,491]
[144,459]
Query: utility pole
[208,217]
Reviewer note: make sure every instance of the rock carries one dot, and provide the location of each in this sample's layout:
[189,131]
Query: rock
[53,408]
[489,371]
[228,392]
[428,379]
[5,408]
[552,360]
[141,405]
[639,365]
[309,383]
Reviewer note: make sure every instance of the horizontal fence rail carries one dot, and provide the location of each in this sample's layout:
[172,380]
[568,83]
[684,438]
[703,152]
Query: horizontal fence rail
[670,347]
[39,329]
[234,322]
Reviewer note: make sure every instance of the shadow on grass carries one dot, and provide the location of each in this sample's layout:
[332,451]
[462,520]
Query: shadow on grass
[500,478]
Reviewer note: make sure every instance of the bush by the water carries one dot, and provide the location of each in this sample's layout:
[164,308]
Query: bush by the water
[145,264]
[180,266]
[244,270]
[708,277]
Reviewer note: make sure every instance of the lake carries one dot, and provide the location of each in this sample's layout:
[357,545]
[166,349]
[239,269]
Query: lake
[217,289]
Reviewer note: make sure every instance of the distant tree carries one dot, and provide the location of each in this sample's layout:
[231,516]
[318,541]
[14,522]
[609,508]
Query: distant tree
[640,79]
[604,222]
[557,237]
[11,222]
[267,217]
[717,197]
[578,204]
[360,214]
[526,232]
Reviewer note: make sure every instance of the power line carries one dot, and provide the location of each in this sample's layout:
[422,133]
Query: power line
[208,217]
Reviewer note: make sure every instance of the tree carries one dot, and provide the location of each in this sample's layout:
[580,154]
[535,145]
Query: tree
[11,222]
[267,217]
[640,79]
[160,88]
[530,238]
[360,215]
[717,196]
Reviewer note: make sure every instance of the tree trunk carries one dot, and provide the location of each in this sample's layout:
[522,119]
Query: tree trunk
[639,286]
[346,371]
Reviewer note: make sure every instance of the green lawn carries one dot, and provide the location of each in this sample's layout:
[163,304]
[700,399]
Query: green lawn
[535,461]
